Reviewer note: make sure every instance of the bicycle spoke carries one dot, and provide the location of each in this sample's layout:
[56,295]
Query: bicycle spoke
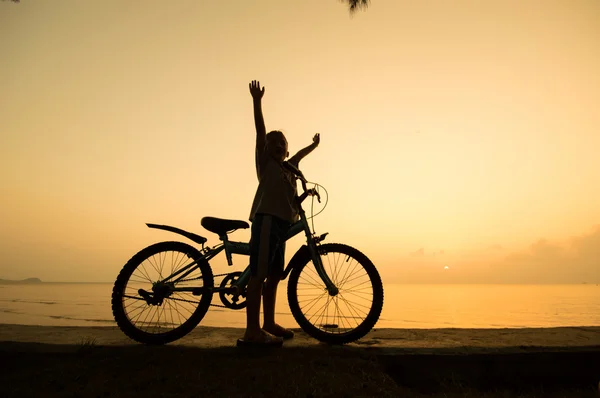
[340,280]
[181,259]
[167,303]
[150,310]
[315,300]
[144,273]
[339,263]
[317,282]
[348,275]
[161,264]
[364,297]
[132,279]
[341,319]
[137,310]
[317,312]
[325,311]
[355,308]
[178,310]
[152,263]
[348,280]
[179,264]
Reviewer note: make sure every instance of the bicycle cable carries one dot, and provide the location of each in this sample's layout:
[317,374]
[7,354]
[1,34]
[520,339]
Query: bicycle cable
[312,203]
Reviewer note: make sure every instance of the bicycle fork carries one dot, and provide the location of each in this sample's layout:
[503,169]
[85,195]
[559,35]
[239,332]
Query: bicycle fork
[318,263]
[312,251]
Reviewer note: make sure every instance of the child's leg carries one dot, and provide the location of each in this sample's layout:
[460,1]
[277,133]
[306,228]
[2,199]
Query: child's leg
[270,289]
[259,263]
[270,297]
[253,298]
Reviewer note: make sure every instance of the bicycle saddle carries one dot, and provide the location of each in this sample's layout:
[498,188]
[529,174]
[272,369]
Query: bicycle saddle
[222,226]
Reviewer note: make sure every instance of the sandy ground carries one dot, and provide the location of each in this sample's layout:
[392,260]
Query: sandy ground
[384,341]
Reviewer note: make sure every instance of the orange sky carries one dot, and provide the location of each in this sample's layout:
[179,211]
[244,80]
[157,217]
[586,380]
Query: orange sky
[460,134]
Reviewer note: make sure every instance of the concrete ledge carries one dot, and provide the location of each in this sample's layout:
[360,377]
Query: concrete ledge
[426,361]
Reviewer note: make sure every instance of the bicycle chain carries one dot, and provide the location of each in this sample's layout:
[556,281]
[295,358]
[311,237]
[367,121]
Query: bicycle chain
[195,302]
[200,277]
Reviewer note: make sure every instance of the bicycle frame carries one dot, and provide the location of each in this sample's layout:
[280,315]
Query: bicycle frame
[243,248]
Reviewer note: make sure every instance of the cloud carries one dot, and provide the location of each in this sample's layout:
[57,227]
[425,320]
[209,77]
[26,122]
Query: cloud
[575,260]
[421,253]
[418,253]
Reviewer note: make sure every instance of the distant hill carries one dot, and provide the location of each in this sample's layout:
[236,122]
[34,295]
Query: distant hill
[27,281]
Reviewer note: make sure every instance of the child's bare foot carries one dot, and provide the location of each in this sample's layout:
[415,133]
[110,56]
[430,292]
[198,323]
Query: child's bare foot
[260,338]
[279,331]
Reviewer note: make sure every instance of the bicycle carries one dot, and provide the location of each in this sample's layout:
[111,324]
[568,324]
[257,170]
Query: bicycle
[153,303]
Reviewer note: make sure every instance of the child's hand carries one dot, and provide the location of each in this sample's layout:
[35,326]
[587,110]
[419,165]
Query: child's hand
[255,89]
[317,139]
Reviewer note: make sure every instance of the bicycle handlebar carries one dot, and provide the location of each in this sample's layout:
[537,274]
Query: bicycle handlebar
[303,181]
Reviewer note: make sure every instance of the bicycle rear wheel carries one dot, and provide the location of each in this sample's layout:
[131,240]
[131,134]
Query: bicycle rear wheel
[347,316]
[148,310]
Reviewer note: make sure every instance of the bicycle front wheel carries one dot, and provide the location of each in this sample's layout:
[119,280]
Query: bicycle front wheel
[151,311]
[347,316]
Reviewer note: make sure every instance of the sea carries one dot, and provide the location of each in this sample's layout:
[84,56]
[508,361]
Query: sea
[405,306]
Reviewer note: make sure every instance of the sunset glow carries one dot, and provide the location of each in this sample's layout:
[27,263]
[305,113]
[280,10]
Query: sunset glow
[462,133]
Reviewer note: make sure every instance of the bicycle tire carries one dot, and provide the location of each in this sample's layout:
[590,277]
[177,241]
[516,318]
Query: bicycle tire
[125,321]
[324,332]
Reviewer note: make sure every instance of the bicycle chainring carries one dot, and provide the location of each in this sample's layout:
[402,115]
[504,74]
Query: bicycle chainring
[233,301]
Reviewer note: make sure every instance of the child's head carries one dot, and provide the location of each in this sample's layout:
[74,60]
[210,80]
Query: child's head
[276,145]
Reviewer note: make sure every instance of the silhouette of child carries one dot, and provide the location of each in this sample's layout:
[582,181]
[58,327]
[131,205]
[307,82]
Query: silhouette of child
[273,211]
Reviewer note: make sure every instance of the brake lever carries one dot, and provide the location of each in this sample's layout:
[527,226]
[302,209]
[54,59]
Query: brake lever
[314,192]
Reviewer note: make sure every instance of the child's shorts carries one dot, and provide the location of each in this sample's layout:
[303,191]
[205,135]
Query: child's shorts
[267,245]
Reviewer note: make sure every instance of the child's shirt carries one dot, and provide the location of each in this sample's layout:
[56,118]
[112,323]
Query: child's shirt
[276,190]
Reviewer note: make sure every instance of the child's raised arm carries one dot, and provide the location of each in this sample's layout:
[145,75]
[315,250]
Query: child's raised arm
[305,151]
[261,131]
